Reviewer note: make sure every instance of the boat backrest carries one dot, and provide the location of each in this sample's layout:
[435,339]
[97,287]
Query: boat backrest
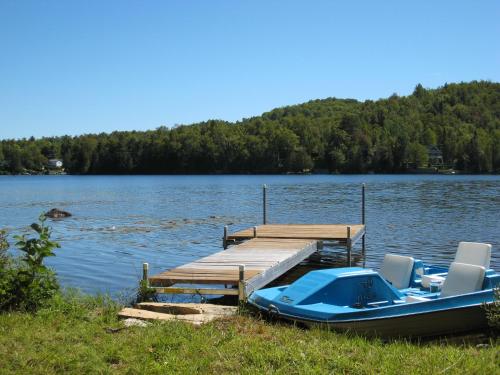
[475,253]
[463,278]
[397,270]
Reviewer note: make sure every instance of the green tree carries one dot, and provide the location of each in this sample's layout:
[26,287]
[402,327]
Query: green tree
[429,137]
[343,135]
[417,154]
[419,91]
[13,157]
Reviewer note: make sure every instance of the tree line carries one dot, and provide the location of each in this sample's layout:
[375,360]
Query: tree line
[336,135]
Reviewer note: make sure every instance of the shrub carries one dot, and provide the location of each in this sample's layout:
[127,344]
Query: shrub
[5,268]
[4,245]
[493,311]
[25,282]
[145,293]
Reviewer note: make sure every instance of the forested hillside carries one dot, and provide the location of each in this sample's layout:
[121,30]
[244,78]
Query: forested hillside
[336,135]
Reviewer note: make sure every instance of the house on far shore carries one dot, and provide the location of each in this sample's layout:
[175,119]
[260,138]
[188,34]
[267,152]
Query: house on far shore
[55,164]
[435,156]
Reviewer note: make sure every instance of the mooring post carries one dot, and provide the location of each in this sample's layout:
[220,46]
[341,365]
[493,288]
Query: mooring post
[264,204]
[363,188]
[254,232]
[363,218]
[349,245]
[241,283]
[224,239]
[145,268]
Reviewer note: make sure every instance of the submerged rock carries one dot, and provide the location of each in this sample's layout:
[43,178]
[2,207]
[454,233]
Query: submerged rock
[56,213]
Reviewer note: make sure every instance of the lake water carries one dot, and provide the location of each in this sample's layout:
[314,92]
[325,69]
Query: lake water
[119,222]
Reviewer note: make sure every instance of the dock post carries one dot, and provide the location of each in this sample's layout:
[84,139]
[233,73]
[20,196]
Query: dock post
[363,204]
[349,246]
[145,269]
[241,283]
[264,204]
[254,232]
[224,239]
[363,218]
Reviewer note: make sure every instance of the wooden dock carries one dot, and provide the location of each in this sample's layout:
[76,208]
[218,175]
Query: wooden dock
[320,232]
[267,252]
[255,256]
[239,270]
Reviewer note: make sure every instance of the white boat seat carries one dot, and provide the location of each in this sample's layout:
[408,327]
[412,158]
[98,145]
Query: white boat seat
[397,269]
[475,253]
[463,278]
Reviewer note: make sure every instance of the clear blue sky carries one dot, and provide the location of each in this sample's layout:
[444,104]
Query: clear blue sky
[73,67]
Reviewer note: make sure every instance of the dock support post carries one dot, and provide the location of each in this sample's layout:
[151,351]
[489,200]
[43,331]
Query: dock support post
[363,218]
[363,204]
[349,246]
[224,239]
[363,249]
[241,283]
[254,232]
[264,204]
[145,269]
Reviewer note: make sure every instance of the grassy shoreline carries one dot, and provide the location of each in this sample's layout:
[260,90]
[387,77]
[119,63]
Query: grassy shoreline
[82,334]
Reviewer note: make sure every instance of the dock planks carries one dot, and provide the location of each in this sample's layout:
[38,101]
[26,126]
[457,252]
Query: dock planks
[195,314]
[266,252]
[333,232]
[264,260]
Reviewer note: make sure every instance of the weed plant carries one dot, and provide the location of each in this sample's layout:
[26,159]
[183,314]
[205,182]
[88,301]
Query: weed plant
[25,282]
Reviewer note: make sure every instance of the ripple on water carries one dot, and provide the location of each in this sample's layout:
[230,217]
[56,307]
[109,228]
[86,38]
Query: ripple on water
[119,222]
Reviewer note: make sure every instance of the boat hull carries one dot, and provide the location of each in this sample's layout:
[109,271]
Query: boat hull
[361,301]
[435,323]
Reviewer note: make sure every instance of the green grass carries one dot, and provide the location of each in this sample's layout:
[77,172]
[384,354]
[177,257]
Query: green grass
[72,336]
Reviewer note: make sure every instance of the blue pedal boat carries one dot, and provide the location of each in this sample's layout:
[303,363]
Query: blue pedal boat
[389,303]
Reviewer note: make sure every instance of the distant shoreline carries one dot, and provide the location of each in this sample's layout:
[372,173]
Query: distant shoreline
[452,129]
[457,173]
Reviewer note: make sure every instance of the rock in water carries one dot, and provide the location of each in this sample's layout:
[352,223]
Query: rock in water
[55,213]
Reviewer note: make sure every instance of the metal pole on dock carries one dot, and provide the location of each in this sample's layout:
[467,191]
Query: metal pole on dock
[349,245]
[363,204]
[224,239]
[145,269]
[254,232]
[363,220]
[264,204]
[241,282]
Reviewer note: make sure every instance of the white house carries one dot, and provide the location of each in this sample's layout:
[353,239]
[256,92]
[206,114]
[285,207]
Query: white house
[55,163]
